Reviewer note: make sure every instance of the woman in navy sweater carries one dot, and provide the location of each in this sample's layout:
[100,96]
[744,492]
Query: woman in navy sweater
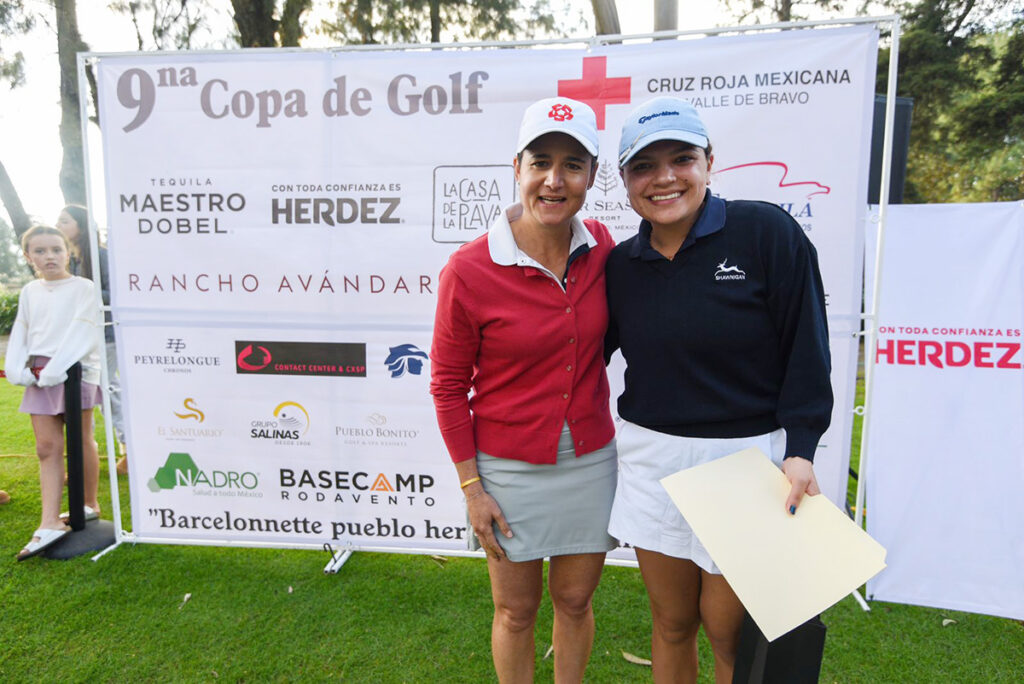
[719,311]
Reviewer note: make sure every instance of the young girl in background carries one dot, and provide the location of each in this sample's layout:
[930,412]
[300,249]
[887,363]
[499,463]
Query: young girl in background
[55,328]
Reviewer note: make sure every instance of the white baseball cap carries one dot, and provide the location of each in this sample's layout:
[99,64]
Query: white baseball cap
[662,118]
[559,115]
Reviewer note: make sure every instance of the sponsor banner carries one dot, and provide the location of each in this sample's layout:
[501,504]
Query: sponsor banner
[945,467]
[281,457]
[285,197]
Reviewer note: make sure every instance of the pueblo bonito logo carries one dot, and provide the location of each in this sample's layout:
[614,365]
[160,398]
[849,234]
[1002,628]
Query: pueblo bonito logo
[337,359]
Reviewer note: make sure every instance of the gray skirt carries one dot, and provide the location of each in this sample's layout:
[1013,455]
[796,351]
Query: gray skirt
[553,510]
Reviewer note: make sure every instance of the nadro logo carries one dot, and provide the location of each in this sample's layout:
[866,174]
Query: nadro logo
[181,471]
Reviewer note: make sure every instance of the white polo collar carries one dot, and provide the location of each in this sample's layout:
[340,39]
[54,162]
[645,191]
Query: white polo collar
[504,250]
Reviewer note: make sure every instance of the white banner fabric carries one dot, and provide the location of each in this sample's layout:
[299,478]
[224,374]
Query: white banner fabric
[277,222]
[945,466]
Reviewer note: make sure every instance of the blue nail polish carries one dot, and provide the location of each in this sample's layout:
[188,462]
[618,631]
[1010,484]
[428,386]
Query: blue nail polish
[792,510]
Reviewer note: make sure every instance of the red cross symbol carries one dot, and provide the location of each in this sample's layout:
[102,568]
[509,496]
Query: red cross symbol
[595,88]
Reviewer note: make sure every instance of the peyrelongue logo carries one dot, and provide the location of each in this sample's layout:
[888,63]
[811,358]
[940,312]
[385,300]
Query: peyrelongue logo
[405,358]
[176,362]
[337,359]
[181,471]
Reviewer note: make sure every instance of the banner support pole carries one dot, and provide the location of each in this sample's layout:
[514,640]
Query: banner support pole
[871,319]
[94,241]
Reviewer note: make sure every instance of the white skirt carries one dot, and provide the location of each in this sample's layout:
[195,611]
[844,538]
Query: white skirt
[643,515]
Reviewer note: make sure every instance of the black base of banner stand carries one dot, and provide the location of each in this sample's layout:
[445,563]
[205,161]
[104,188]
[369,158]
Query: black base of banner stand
[85,536]
[95,536]
[793,658]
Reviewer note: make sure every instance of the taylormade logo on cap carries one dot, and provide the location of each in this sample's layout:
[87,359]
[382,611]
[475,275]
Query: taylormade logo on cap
[559,115]
[663,118]
[645,119]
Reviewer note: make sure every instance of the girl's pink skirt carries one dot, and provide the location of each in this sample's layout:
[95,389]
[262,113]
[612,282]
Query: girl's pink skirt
[49,401]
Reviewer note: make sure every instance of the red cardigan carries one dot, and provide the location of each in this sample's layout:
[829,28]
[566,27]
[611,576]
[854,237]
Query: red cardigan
[531,353]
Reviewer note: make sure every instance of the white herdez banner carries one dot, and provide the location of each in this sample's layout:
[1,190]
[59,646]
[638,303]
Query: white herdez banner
[277,222]
[946,449]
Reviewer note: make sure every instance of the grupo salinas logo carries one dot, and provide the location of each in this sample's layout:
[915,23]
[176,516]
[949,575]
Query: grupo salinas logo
[181,471]
[336,359]
[405,358]
[179,360]
[289,424]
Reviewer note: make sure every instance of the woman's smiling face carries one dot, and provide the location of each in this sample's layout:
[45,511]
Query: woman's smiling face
[666,182]
[554,173]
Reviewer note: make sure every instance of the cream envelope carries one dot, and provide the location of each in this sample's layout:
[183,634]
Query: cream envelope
[784,568]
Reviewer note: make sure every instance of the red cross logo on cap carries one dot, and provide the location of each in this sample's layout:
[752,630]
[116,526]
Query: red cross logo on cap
[595,88]
[560,112]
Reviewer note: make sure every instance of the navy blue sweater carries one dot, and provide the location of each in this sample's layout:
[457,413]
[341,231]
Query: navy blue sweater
[729,338]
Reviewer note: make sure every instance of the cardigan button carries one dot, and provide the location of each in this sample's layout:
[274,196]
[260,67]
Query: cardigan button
[569,368]
[568,309]
[572,340]
[565,396]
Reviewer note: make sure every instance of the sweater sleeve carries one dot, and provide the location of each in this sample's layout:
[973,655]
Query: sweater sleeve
[611,335]
[79,339]
[453,354]
[797,305]
[16,361]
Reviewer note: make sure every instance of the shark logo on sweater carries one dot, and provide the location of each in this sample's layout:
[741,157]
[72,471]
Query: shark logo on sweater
[729,272]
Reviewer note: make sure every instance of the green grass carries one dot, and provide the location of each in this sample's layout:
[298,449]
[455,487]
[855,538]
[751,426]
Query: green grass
[382,618]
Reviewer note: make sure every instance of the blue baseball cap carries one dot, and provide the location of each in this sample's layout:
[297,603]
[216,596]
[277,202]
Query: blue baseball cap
[663,118]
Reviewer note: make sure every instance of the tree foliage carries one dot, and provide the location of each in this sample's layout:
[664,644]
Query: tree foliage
[260,24]
[771,11]
[962,62]
[13,20]
[420,21]
[69,44]
[164,24]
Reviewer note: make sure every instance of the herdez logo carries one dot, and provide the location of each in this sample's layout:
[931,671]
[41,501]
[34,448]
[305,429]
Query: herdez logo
[338,359]
[181,471]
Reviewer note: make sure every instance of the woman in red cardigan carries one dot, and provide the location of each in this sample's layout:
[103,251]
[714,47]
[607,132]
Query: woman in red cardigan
[521,315]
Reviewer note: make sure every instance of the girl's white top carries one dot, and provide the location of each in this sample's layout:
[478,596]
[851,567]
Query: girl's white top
[60,319]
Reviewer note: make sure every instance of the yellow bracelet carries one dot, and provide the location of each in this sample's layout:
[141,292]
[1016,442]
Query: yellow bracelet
[470,481]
